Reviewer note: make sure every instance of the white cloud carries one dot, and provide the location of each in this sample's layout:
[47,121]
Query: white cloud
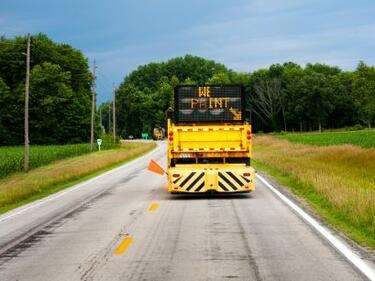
[257,35]
[243,50]
[340,46]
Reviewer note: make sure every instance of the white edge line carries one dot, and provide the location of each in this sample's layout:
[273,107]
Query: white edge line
[366,269]
[73,188]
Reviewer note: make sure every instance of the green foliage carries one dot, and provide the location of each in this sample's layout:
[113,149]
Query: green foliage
[364,92]
[105,116]
[364,138]
[356,127]
[146,94]
[60,96]
[284,97]
[290,97]
[220,78]
[107,141]
[316,97]
[21,189]
[11,157]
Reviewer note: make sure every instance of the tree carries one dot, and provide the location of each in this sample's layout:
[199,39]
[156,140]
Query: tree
[344,112]
[148,91]
[105,115]
[188,81]
[316,95]
[59,92]
[219,79]
[293,110]
[284,95]
[51,99]
[6,113]
[266,97]
[129,101]
[324,69]
[364,92]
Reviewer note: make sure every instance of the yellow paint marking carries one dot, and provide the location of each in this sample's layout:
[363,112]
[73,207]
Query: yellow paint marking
[124,245]
[153,207]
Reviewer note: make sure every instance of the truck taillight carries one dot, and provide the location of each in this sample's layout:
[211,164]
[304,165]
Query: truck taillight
[170,136]
[175,175]
[246,174]
[248,134]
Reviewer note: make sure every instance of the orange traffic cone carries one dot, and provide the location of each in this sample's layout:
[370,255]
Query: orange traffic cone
[155,168]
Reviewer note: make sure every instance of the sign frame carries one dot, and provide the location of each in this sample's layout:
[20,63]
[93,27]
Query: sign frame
[176,105]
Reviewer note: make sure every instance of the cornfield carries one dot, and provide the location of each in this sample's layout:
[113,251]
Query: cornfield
[364,138]
[11,158]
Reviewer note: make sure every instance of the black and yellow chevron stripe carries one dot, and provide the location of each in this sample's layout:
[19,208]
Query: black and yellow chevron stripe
[192,182]
[231,182]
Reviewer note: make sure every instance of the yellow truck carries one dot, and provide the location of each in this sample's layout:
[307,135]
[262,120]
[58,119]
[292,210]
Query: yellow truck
[158,133]
[209,141]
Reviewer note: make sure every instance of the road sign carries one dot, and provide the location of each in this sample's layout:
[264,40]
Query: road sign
[209,103]
[99,142]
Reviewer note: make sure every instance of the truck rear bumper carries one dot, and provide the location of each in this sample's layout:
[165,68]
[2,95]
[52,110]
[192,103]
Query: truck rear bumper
[226,178]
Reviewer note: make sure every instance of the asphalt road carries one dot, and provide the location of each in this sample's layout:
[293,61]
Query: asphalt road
[124,226]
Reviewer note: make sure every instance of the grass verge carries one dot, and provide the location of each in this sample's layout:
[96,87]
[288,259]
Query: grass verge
[11,157]
[19,189]
[363,138]
[337,181]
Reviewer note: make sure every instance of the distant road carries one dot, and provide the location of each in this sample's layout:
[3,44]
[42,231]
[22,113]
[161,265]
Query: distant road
[123,225]
[136,140]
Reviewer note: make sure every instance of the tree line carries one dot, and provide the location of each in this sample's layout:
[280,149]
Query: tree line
[60,92]
[285,96]
[289,97]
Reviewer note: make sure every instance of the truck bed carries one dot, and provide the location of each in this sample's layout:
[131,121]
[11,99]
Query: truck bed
[210,138]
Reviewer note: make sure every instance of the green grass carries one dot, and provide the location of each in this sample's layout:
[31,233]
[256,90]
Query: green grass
[11,157]
[20,188]
[321,205]
[363,138]
[337,180]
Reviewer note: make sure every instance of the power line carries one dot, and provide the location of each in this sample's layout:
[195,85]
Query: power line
[64,99]
[36,49]
[19,61]
[14,44]
[6,52]
[107,82]
[62,67]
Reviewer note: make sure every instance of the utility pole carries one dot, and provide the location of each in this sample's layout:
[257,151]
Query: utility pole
[114,114]
[93,107]
[26,119]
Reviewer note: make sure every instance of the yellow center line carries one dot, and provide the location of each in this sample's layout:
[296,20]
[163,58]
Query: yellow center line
[124,245]
[153,207]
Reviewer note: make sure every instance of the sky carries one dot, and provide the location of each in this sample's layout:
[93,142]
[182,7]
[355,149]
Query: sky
[244,35]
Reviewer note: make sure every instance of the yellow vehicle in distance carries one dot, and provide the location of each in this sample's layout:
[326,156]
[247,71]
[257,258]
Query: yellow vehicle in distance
[158,133]
[209,141]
